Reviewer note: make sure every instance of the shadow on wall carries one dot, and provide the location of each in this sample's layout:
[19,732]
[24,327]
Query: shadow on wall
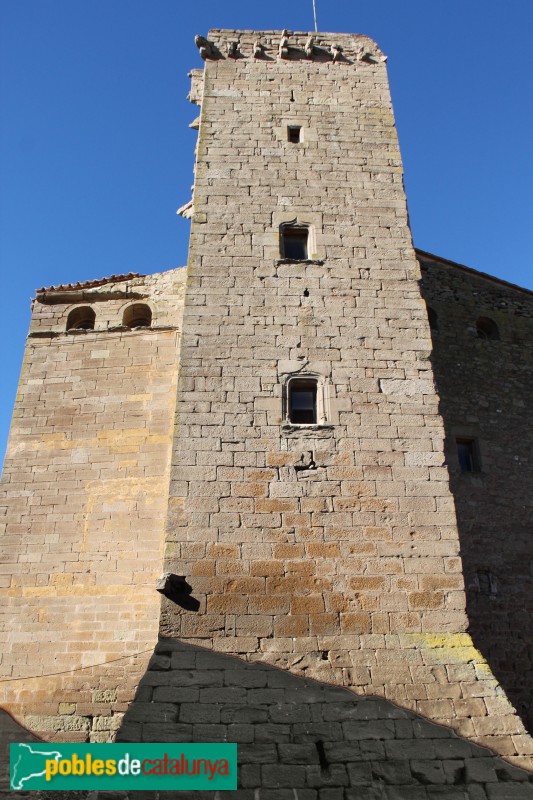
[299,739]
[485,388]
[12,731]
[496,560]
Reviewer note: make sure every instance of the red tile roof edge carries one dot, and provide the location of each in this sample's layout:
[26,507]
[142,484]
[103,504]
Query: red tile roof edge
[74,287]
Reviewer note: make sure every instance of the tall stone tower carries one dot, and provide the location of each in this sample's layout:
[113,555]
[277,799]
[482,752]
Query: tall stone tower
[311,539]
[310,507]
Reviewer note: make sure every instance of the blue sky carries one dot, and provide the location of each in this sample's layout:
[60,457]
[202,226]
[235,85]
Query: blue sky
[96,154]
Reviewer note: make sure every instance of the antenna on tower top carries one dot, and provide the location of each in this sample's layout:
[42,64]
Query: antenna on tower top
[314,15]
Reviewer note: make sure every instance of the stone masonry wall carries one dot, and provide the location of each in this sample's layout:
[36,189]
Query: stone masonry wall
[333,552]
[486,388]
[85,488]
[330,550]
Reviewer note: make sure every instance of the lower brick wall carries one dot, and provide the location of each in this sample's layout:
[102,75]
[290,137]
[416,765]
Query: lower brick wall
[302,739]
[299,738]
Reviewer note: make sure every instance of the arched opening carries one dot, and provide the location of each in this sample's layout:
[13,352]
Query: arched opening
[139,315]
[486,328]
[81,319]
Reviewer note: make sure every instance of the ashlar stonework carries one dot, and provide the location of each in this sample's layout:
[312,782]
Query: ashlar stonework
[323,563]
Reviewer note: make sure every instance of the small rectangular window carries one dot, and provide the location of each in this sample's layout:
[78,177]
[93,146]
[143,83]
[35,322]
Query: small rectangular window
[302,402]
[467,453]
[294,243]
[294,133]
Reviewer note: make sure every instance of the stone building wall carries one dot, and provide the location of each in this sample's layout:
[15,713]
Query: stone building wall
[330,550]
[485,388]
[323,560]
[85,494]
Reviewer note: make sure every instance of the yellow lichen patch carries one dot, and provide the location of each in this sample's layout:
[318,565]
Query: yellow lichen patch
[445,648]
[483,670]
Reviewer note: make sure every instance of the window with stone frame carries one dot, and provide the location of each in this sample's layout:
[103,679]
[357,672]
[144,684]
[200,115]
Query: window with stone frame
[294,242]
[294,134]
[302,401]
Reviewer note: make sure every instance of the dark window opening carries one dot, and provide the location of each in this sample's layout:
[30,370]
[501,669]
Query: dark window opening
[138,315]
[81,319]
[487,329]
[294,133]
[294,243]
[467,454]
[433,319]
[302,402]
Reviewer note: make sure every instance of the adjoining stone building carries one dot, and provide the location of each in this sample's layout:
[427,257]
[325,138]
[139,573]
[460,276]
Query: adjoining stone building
[330,466]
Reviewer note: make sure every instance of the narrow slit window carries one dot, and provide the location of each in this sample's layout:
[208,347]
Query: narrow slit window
[433,319]
[467,454]
[294,134]
[302,402]
[294,243]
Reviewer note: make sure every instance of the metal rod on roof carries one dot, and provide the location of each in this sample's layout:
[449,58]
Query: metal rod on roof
[314,15]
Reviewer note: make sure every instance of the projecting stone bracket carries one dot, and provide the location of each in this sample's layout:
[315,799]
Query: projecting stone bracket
[306,461]
[176,588]
[186,210]
[290,46]
[232,49]
[207,49]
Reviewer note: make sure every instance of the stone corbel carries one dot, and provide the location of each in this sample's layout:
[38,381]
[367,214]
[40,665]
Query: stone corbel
[205,47]
[336,52]
[258,49]
[232,49]
[186,210]
[309,47]
[169,584]
[369,57]
[305,462]
[283,51]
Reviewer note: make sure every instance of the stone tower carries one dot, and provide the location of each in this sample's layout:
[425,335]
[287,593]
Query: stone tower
[310,506]
[310,516]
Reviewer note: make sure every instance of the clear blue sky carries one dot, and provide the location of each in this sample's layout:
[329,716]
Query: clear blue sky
[96,155]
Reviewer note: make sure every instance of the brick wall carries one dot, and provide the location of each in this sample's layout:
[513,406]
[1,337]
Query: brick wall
[85,480]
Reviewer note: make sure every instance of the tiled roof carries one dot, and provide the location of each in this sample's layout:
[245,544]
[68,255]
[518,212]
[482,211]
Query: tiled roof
[75,287]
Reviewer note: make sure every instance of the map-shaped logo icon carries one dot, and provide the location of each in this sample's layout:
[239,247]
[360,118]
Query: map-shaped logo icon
[28,762]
